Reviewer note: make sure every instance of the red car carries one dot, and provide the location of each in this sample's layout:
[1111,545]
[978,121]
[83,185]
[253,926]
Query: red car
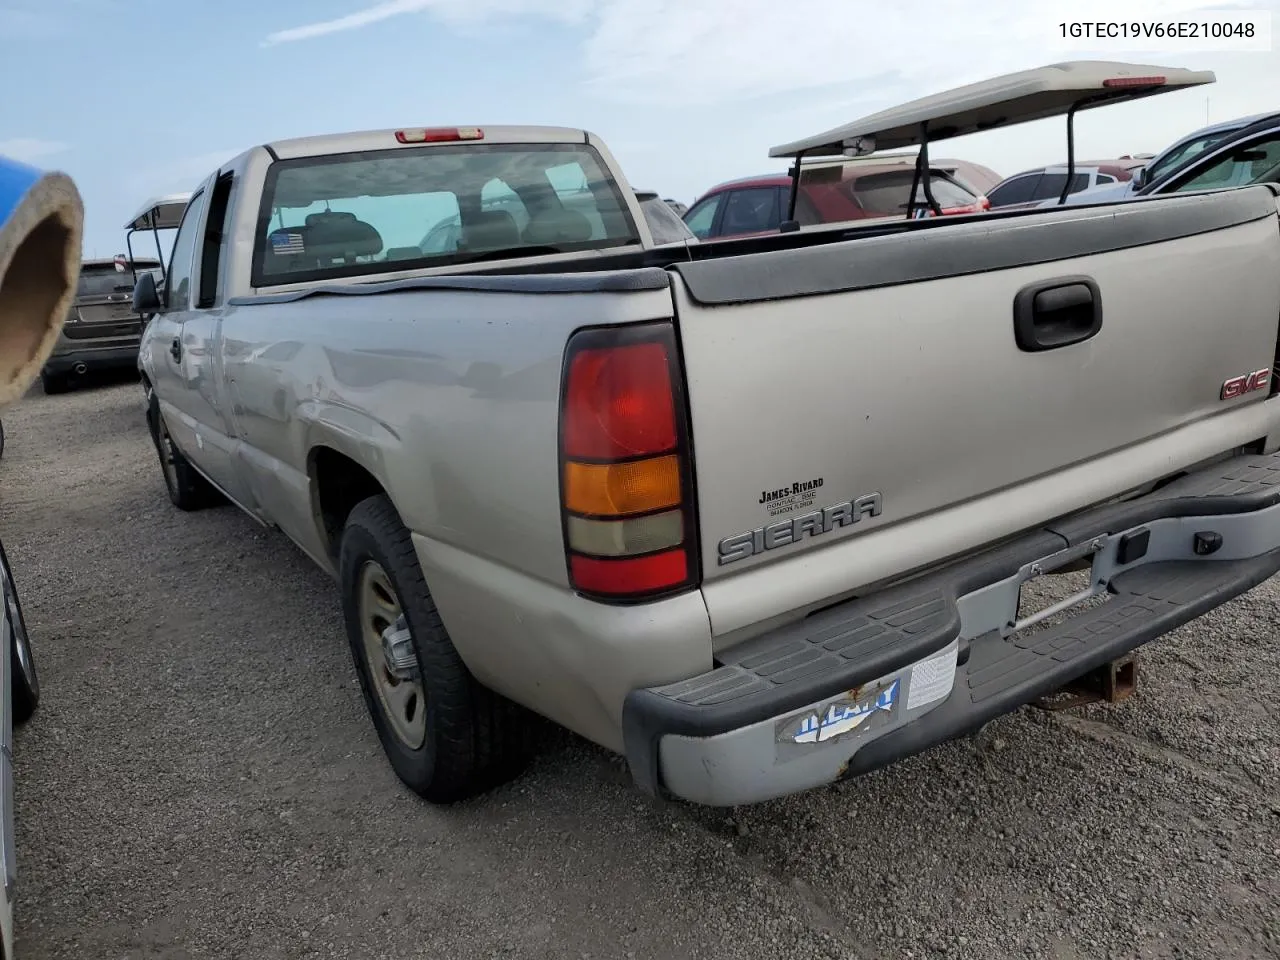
[830,192]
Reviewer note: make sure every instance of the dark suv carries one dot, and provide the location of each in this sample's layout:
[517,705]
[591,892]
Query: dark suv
[101,329]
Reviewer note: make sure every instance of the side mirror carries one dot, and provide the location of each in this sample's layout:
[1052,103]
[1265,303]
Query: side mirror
[146,298]
[1250,156]
[1140,178]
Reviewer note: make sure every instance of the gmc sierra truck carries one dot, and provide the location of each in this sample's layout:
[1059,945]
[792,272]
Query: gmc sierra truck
[756,514]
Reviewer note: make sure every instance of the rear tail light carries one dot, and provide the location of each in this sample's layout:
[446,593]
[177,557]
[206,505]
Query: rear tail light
[626,480]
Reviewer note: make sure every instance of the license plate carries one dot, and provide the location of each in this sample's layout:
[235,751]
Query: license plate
[860,712]
[106,312]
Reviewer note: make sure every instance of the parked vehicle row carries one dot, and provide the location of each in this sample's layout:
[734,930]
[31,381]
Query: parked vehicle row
[1046,183]
[561,463]
[101,330]
[1248,154]
[831,191]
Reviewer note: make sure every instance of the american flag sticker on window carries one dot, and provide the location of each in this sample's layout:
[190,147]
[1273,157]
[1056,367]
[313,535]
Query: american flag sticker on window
[286,244]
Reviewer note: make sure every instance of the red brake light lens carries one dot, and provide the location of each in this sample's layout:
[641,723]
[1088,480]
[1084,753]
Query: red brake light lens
[618,403]
[1134,82]
[439,134]
[634,575]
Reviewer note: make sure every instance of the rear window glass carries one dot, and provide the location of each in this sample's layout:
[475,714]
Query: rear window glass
[432,206]
[887,193]
[106,281]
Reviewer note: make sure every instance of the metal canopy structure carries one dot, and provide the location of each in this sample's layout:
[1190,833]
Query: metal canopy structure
[158,213]
[1050,91]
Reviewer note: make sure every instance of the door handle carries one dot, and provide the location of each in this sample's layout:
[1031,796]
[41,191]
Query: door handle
[1056,313]
[175,348]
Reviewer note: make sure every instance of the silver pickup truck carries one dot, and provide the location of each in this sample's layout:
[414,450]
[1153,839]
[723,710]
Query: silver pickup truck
[756,514]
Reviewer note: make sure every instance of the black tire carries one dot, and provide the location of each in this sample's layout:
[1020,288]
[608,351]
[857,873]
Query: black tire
[474,739]
[187,489]
[25,691]
[53,383]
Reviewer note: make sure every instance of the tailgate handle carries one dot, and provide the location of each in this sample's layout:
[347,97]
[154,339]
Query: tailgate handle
[1056,313]
[175,348]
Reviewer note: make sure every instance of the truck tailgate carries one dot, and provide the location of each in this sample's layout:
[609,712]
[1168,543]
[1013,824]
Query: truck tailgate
[880,379]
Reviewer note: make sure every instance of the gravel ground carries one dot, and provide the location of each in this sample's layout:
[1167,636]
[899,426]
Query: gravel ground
[201,781]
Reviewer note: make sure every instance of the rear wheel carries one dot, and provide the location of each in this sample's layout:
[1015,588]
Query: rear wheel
[54,382]
[25,691]
[187,489]
[447,737]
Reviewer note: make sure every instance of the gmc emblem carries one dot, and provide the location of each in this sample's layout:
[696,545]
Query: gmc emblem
[1239,386]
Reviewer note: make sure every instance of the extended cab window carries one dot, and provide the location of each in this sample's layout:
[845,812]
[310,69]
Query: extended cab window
[351,214]
[178,284]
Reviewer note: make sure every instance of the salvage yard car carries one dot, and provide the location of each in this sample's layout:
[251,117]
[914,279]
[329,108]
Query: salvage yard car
[830,192]
[757,513]
[101,330]
[1248,155]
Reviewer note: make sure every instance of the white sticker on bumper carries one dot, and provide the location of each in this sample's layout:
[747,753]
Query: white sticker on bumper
[932,679]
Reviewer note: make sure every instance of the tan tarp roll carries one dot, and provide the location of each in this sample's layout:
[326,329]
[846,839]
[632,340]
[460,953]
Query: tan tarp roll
[40,246]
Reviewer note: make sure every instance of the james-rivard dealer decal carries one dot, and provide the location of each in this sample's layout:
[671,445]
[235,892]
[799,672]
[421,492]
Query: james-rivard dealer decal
[802,493]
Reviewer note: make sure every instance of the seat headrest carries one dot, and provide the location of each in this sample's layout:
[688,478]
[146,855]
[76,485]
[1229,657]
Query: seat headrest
[329,216]
[340,235]
[404,253]
[489,230]
[557,226]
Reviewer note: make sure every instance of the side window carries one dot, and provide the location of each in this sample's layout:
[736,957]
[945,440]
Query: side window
[1105,178]
[178,284]
[1051,184]
[1017,190]
[1238,166]
[217,229]
[700,219]
[753,210]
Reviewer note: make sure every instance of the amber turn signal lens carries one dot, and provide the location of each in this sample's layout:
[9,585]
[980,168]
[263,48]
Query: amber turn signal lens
[619,489]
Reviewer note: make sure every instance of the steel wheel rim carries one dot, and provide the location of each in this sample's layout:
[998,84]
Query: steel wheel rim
[403,701]
[166,458]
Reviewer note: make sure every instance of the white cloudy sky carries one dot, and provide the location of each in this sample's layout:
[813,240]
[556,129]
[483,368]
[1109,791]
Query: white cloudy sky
[687,92]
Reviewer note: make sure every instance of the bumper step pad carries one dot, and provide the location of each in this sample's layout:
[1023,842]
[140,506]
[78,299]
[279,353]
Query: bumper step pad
[864,639]
[1002,674]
